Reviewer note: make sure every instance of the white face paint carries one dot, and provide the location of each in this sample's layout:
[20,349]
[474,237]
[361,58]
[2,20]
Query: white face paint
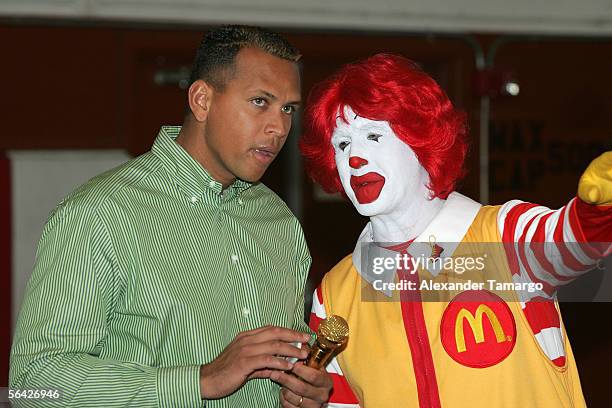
[380,173]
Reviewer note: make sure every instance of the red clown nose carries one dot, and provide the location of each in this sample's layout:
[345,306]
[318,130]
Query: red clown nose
[357,162]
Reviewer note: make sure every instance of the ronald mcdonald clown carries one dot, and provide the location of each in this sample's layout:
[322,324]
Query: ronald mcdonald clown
[384,134]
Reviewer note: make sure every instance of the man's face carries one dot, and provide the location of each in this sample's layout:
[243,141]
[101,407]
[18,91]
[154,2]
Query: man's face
[380,173]
[248,121]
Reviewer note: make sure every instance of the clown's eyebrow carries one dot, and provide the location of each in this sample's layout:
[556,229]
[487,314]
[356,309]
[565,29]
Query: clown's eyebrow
[355,117]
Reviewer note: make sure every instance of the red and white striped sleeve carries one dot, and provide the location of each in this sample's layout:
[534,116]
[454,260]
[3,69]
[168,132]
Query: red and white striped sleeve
[568,234]
[577,236]
[341,396]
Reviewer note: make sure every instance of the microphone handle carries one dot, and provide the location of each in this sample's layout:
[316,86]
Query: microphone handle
[320,354]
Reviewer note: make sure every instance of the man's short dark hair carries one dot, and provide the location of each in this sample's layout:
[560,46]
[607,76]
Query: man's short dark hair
[215,58]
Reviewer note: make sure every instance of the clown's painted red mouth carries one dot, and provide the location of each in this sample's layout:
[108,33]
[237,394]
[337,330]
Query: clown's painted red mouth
[367,188]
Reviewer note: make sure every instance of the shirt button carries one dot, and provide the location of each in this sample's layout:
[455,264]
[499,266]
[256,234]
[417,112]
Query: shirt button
[211,184]
[194,199]
[245,311]
[240,201]
[234,258]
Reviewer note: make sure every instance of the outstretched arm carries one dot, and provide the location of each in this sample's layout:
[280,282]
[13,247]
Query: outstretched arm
[576,235]
[554,247]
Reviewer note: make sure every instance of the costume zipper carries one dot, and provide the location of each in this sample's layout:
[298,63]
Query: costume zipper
[418,339]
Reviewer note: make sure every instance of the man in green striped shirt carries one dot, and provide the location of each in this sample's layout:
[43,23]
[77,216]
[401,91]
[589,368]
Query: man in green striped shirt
[176,280]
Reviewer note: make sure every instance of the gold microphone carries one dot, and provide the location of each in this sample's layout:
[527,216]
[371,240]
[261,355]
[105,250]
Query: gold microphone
[331,337]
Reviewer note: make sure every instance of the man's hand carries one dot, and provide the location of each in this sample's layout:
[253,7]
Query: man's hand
[595,186]
[309,388]
[252,354]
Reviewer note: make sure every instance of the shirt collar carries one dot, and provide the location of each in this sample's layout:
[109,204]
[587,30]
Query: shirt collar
[188,173]
[447,229]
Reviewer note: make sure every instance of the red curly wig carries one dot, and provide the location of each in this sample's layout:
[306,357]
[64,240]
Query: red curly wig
[388,88]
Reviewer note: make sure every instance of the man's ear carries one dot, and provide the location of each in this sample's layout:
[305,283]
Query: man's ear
[199,96]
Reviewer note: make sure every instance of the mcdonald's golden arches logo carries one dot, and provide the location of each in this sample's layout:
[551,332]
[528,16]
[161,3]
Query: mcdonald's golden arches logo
[478,329]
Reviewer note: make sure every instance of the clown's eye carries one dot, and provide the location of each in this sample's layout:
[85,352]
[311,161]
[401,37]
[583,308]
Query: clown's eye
[374,137]
[342,145]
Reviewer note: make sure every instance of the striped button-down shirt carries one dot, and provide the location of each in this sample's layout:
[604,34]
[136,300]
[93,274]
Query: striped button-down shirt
[148,271]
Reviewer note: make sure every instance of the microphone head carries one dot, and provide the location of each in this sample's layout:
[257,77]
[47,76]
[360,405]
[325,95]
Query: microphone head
[334,329]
